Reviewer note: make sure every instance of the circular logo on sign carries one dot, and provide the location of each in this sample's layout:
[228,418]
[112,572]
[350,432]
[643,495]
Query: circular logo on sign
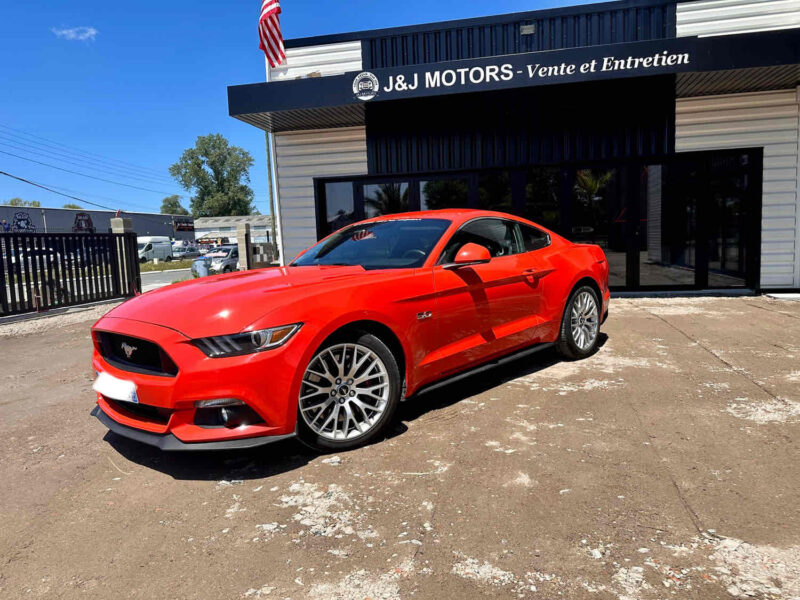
[365,86]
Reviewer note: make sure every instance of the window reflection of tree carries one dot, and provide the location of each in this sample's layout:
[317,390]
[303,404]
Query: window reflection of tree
[444,193]
[494,192]
[341,219]
[542,197]
[385,199]
[590,213]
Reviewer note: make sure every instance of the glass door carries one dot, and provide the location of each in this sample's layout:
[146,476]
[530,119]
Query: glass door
[699,221]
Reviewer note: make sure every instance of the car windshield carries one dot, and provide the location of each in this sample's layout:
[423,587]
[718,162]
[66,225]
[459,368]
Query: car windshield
[394,244]
[141,246]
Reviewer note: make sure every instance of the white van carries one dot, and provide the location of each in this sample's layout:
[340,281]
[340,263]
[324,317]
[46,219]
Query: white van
[154,246]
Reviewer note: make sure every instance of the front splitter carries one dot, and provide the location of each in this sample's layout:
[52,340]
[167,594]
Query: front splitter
[169,442]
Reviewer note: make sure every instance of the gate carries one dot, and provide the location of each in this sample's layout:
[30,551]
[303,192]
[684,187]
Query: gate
[40,271]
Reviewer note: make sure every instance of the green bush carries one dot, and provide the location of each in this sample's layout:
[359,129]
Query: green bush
[166,266]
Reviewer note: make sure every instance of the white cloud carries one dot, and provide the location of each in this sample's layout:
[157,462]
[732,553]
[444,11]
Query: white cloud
[81,34]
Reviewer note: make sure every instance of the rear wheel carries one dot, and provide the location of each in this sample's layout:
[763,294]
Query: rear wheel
[580,326]
[350,390]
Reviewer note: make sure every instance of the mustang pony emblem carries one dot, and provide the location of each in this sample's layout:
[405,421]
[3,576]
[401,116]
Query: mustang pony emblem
[128,349]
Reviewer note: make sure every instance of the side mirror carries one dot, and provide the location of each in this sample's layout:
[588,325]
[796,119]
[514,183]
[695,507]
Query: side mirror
[472,254]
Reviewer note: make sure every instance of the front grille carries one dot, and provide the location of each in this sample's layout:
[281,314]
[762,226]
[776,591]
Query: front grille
[135,354]
[144,411]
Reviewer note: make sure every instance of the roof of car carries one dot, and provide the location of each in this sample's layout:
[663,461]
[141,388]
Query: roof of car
[455,214]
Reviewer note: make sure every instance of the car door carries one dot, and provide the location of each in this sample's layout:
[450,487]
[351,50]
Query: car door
[485,309]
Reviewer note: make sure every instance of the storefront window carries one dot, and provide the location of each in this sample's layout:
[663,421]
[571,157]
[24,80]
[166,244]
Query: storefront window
[667,231]
[685,221]
[339,205]
[543,197]
[599,216]
[443,193]
[494,191]
[385,199]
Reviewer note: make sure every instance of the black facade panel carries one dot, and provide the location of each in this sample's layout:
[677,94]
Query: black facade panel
[546,30]
[554,124]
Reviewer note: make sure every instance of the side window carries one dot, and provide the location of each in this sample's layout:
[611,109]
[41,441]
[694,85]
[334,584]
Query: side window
[148,247]
[235,253]
[532,238]
[497,235]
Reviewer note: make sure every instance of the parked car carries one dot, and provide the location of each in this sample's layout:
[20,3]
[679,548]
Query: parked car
[154,246]
[222,259]
[180,252]
[36,259]
[326,347]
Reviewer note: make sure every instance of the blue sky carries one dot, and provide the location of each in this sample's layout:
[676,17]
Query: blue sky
[136,83]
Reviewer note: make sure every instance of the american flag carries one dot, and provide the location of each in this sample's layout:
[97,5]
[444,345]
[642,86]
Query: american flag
[269,32]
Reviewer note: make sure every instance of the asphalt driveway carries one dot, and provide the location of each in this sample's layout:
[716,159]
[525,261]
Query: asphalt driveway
[666,465]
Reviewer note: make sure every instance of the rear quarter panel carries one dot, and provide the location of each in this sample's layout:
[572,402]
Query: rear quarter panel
[571,263]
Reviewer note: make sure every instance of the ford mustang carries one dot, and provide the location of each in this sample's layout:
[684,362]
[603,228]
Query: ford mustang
[326,347]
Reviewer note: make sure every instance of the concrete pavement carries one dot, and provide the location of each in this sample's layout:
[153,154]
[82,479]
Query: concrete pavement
[663,466]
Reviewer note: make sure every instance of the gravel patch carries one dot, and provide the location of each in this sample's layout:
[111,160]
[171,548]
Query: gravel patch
[42,324]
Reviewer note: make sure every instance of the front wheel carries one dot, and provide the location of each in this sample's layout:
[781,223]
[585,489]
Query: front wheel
[580,326]
[349,393]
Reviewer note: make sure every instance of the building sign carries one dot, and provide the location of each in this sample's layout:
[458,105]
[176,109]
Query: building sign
[515,73]
[183,223]
[83,223]
[22,222]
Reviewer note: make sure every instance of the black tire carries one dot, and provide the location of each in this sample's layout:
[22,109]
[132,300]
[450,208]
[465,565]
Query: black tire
[320,443]
[566,344]
[169,259]
[226,270]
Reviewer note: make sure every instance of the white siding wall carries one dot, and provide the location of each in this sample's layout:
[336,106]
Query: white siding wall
[318,61]
[721,17]
[301,156]
[771,120]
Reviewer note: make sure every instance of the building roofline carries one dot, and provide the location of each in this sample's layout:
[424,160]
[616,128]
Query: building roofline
[103,210]
[472,21]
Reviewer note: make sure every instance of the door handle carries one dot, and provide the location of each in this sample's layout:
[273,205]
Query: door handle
[537,273]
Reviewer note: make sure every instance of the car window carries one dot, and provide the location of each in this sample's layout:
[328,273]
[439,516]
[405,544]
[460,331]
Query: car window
[235,253]
[390,244]
[532,238]
[497,235]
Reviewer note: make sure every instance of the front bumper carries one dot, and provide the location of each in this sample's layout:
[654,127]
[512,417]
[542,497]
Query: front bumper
[169,442]
[266,382]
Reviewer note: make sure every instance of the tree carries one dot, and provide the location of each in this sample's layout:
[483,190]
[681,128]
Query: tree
[171,205]
[71,205]
[217,173]
[25,203]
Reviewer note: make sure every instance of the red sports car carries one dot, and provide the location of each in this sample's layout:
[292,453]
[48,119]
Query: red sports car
[326,347]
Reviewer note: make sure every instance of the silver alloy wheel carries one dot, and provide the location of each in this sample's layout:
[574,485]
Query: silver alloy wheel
[585,320]
[344,392]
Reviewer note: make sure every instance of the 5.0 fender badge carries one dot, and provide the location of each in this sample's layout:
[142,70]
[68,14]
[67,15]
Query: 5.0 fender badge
[365,86]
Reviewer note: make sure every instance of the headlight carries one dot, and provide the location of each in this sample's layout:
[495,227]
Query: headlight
[246,343]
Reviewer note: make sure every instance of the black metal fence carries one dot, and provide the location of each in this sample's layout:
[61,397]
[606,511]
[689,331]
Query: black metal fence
[40,271]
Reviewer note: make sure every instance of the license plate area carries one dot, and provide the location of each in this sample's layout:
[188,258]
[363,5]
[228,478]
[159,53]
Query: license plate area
[112,387]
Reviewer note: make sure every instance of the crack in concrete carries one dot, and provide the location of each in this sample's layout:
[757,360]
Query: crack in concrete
[698,525]
[731,367]
[777,312]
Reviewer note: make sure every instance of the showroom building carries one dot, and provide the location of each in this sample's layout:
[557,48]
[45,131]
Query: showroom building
[665,131]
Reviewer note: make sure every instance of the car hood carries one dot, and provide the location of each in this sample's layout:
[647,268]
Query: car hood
[224,304]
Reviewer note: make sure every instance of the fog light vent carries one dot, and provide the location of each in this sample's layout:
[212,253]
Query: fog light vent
[218,403]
